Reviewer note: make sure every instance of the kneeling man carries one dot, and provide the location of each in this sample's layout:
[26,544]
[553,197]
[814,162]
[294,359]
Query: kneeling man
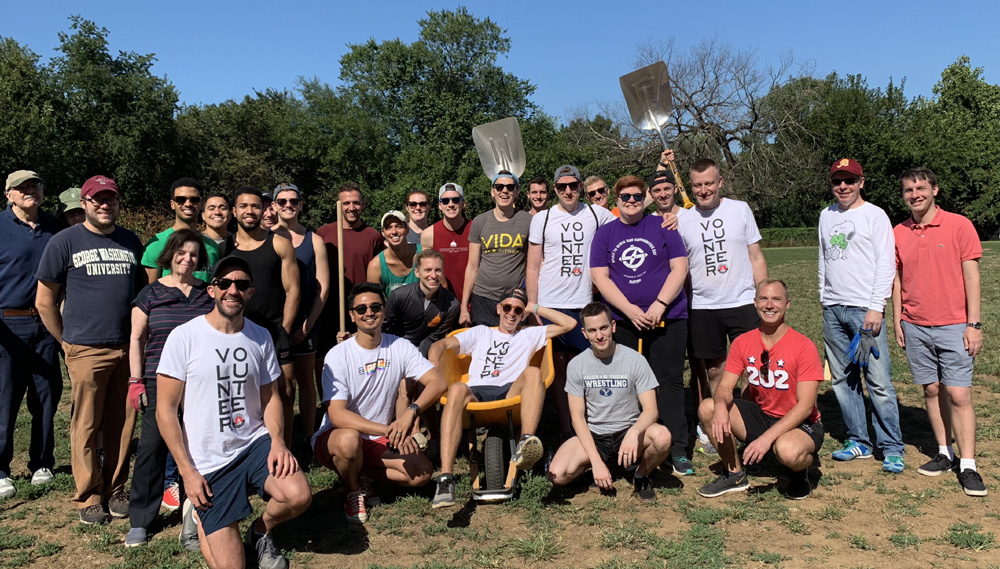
[612,402]
[499,370]
[361,379]
[224,367]
[784,370]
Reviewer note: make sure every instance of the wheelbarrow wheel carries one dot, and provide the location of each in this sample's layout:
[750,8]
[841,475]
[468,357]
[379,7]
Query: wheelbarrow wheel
[496,466]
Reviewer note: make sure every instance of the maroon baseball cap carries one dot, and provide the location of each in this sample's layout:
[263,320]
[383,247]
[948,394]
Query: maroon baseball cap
[98,184]
[846,165]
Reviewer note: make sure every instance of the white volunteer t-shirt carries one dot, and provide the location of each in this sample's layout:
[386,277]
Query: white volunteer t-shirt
[222,374]
[369,379]
[498,358]
[716,242]
[564,278]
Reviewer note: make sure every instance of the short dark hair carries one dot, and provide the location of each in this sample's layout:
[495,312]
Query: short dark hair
[540,179]
[187,183]
[176,242]
[351,187]
[630,182]
[224,197]
[703,164]
[595,309]
[919,173]
[249,190]
[362,288]
[427,254]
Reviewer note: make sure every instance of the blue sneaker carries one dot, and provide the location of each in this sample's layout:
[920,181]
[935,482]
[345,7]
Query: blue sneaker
[682,466]
[852,450]
[893,464]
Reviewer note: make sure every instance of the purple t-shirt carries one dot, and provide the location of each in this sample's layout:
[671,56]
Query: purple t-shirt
[638,260]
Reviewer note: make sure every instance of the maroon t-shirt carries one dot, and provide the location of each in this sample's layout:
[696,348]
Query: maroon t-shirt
[361,245]
[454,247]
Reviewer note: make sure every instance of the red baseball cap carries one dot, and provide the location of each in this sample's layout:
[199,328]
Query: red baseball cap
[846,165]
[98,184]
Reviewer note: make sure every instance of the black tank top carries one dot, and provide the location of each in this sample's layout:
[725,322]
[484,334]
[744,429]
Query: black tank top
[268,300]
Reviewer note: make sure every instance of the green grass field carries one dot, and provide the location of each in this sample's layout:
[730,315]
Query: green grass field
[857,517]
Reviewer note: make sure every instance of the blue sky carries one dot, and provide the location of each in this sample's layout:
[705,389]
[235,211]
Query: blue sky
[573,52]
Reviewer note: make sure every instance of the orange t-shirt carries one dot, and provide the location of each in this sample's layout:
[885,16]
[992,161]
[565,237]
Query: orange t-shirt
[929,259]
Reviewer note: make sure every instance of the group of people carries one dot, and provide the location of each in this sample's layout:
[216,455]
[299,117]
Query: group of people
[209,334]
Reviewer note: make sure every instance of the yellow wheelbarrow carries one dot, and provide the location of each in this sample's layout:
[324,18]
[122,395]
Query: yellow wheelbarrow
[494,423]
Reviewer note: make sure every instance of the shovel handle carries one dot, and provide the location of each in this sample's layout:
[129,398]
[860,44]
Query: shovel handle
[340,266]
[688,204]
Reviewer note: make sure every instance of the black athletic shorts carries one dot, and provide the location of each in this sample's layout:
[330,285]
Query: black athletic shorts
[608,447]
[484,311]
[709,329]
[487,393]
[757,421]
[282,342]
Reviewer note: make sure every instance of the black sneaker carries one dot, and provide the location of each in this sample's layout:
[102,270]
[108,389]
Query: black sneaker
[972,482]
[118,505]
[444,496]
[798,486]
[644,489]
[728,482]
[938,466]
[268,556]
[529,451]
[93,515]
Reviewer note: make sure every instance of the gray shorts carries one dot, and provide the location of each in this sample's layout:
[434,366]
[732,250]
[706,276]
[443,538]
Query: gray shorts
[938,354]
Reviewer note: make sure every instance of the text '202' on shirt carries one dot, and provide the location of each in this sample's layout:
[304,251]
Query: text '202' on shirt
[222,375]
[97,272]
[610,387]
[369,379]
[565,238]
[638,261]
[504,252]
[497,358]
[792,359]
[719,262]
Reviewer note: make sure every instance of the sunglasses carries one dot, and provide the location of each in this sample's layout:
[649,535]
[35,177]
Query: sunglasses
[362,309]
[502,187]
[575,186]
[241,284]
[625,198]
[597,192]
[112,201]
[447,201]
[765,360]
[181,200]
[418,204]
[285,201]
[848,181]
[518,310]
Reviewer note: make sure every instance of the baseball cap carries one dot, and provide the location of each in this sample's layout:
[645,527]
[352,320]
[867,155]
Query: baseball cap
[449,187]
[514,292]
[846,165]
[229,263]
[71,199]
[19,177]
[286,187]
[394,213]
[266,196]
[661,177]
[567,170]
[97,184]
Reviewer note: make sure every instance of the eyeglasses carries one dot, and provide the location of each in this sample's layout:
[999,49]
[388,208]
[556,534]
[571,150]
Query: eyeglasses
[518,310]
[574,186]
[362,309]
[181,200]
[507,187]
[241,284]
[848,181]
[111,201]
[765,360]
[597,191]
[294,202]
[625,198]
[417,204]
[447,201]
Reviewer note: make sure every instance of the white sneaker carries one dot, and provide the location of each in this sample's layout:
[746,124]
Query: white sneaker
[41,476]
[7,488]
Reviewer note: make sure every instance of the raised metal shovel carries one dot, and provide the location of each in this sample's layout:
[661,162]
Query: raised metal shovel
[647,94]
[499,147]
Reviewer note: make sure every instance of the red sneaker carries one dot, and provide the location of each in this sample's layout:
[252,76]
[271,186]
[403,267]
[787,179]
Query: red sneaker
[354,507]
[172,497]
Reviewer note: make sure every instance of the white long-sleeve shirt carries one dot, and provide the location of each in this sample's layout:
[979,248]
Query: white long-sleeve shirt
[856,257]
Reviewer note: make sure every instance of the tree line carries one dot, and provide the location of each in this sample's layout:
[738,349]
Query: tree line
[402,116]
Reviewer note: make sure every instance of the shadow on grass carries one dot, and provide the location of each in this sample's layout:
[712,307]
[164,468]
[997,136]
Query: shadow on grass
[323,528]
[912,420]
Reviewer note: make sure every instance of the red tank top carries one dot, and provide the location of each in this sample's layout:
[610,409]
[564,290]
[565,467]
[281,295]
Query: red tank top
[454,246]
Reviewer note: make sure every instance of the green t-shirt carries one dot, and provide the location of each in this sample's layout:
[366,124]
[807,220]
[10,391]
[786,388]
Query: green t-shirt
[158,242]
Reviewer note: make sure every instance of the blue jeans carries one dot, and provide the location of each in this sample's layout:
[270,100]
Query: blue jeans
[840,324]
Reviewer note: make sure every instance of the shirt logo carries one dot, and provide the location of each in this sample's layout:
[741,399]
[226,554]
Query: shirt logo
[371,367]
[606,392]
[633,257]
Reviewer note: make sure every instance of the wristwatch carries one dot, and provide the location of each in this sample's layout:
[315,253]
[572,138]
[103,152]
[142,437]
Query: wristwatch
[414,407]
[976,325]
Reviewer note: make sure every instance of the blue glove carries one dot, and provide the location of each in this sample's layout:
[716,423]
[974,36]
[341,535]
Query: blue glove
[861,346]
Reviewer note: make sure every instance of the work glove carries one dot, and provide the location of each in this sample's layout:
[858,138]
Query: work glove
[137,397]
[861,346]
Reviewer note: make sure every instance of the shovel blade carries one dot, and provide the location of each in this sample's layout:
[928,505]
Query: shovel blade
[648,96]
[500,147]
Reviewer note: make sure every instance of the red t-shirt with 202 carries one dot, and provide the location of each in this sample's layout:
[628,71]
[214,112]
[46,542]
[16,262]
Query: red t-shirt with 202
[793,359]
